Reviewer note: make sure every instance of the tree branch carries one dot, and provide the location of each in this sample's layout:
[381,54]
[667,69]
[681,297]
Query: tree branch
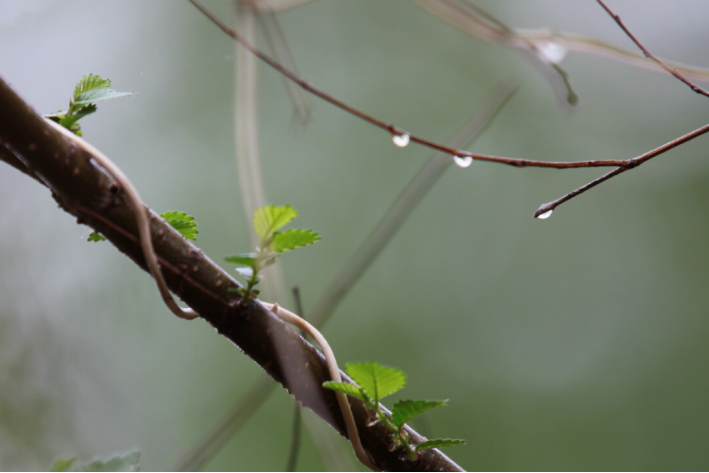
[649,55]
[393,130]
[86,191]
[629,164]
[545,210]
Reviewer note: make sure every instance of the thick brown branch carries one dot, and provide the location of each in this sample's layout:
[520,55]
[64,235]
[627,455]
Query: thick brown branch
[86,191]
[649,55]
[388,127]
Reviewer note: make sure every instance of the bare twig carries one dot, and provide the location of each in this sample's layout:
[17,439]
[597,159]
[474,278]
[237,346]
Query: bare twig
[629,164]
[480,24]
[404,204]
[649,55]
[393,130]
[590,45]
[302,106]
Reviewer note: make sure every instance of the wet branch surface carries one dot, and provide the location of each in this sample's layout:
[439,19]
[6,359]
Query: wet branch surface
[86,191]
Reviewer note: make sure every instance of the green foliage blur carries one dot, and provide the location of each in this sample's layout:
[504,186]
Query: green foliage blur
[573,343]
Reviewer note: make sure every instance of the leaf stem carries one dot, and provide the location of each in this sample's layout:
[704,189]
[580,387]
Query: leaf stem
[399,438]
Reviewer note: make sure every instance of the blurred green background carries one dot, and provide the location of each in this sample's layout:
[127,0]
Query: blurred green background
[575,343]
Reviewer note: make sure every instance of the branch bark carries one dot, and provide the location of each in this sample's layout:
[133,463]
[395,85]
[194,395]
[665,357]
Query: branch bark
[88,192]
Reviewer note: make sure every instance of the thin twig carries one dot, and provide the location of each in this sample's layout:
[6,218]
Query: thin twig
[590,45]
[629,164]
[403,206]
[302,106]
[649,55]
[393,130]
[480,24]
[297,413]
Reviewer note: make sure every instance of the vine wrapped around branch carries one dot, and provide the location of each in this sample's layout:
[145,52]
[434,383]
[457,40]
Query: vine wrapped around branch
[86,191]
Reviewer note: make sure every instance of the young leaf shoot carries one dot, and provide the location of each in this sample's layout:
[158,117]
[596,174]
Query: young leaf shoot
[127,462]
[89,90]
[267,223]
[376,382]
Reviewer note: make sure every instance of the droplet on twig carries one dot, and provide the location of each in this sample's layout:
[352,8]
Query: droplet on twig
[552,51]
[545,215]
[400,139]
[463,161]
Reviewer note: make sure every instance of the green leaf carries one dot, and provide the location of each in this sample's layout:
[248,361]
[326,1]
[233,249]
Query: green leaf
[349,389]
[93,88]
[100,94]
[270,218]
[95,237]
[62,464]
[376,380]
[128,462]
[439,443]
[406,410]
[246,259]
[292,239]
[90,82]
[82,112]
[90,88]
[183,223]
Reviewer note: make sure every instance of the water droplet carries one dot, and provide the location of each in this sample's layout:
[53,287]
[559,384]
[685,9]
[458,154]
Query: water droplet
[545,215]
[463,161]
[552,51]
[400,139]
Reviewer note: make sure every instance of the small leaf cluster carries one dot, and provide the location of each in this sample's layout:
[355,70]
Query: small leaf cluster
[128,462]
[268,222]
[376,382]
[89,90]
[180,221]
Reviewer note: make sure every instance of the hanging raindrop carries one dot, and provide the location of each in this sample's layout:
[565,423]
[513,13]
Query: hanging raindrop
[545,215]
[463,161]
[552,51]
[400,139]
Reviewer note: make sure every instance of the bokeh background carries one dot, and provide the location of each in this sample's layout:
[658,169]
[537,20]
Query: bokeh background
[575,343]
